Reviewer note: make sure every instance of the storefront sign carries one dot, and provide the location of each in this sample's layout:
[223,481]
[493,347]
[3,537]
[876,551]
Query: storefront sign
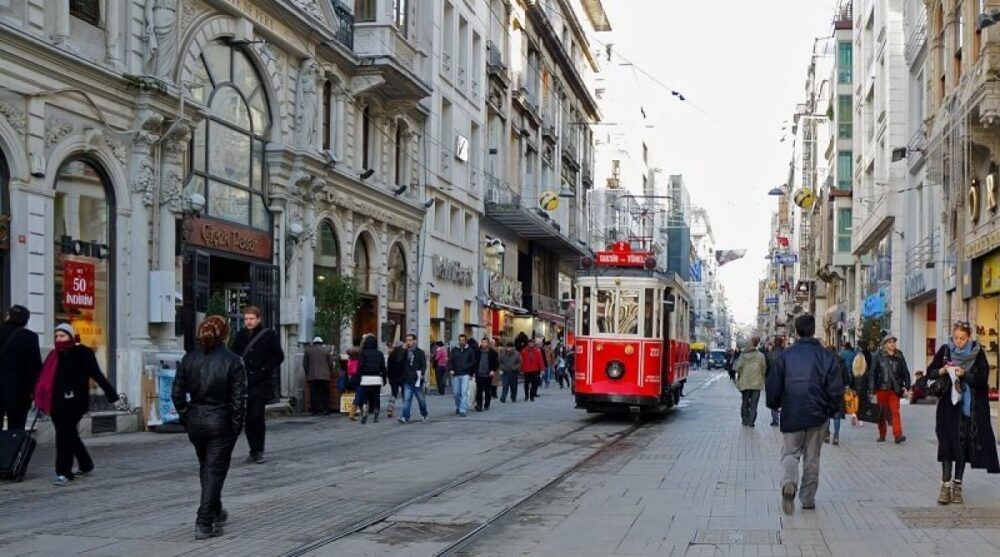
[504,290]
[874,305]
[982,245]
[78,285]
[446,269]
[79,248]
[772,301]
[786,259]
[916,284]
[230,238]
[990,282]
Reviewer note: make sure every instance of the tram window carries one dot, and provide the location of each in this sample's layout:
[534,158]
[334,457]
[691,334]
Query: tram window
[628,312]
[648,314]
[585,311]
[605,310]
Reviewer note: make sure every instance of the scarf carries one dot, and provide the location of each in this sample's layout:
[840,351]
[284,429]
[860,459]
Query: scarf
[45,387]
[964,358]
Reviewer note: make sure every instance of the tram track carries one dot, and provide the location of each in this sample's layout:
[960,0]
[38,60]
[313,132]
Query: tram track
[470,536]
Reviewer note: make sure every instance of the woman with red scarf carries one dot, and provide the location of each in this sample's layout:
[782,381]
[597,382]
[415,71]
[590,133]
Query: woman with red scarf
[63,392]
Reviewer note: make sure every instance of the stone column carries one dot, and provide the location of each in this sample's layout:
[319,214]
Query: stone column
[142,177]
[172,203]
[112,30]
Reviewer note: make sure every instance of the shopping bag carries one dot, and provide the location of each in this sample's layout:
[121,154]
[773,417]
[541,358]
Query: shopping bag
[851,401]
[869,412]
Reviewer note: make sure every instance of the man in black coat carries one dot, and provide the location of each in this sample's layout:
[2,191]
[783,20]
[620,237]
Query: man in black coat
[262,355]
[22,363]
[414,378]
[807,385]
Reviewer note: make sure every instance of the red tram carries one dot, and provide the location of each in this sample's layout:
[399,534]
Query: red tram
[632,346]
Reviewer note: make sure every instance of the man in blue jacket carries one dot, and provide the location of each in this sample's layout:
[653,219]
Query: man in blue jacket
[807,386]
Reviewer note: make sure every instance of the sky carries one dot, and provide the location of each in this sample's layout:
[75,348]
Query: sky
[742,68]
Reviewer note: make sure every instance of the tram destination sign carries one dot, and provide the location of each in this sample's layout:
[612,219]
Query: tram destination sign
[621,258]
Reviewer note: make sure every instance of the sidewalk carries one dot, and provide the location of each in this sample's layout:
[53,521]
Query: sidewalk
[701,484]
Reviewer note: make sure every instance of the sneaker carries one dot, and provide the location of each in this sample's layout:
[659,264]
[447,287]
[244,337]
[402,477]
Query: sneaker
[788,498]
[82,473]
[809,506]
[251,458]
[836,440]
[424,419]
[503,401]
[205,532]
[462,414]
[61,481]
[901,439]
[364,418]
[881,439]
[402,420]
[259,459]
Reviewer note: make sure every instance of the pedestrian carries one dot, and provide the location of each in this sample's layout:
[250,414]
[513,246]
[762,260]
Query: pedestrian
[353,381]
[730,358]
[750,370]
[807,386]
[847,354]
[532,364]
[210,395]
[562,366]
[487,367]
[964,432]
[840,415]
[22,362]
[440,367]
[63,392]
[889,379]
[318,364]
[462,366]
[549,352]
[777,345]
[510,368]
[414,377]
[859,382]
[373,373]
[262,356]
[521,341]
[395,370]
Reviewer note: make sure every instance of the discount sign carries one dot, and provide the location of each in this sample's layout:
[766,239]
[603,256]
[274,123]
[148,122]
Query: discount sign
[78,285]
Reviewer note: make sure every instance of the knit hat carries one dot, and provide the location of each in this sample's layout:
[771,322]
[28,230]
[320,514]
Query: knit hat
[66,328]
[888,337]
[317,340]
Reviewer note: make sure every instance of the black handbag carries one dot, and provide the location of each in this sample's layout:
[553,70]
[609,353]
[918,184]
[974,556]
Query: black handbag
[869,412]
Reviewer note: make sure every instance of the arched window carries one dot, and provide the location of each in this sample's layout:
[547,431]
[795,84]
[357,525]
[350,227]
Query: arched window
[327,254]
[362,266]
[227,153]
[84,255]
[396,306]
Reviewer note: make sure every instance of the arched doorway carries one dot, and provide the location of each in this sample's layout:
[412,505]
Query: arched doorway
[84,226]
[366,320]
[396,301]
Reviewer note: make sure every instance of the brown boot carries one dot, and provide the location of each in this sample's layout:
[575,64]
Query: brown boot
[945,497]
[956,493]
[352,415]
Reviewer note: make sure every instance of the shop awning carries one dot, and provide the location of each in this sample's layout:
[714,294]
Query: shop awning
[697,346]
[553,317]
[512,309]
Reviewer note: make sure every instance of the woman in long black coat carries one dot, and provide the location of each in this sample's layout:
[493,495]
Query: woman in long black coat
[963,429]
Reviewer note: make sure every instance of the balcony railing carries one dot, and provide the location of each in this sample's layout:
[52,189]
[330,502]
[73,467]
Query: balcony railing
[540,302]
[344,33]
[924,253]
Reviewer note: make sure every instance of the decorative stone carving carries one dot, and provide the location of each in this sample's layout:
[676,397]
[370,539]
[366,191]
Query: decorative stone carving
[56,130]
[160,36]
[446,269]
[118,149]
[310,7]
[192,9]
[306,103]
[142,183]
[15,118]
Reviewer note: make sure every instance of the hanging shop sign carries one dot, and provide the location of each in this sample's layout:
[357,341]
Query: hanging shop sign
[771,301]
[874,305]
[916,284]
[990,281]
[78,285]
[786,259]
[504,290]
[446,269]
[231,238]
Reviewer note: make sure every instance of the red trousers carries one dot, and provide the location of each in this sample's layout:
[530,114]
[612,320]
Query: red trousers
[889,401]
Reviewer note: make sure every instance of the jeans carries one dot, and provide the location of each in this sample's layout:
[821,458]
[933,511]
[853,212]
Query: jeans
[460,388]
[214,453]
[547,376]
[889,401]
[69,446]
[319,397]
[484,392]
[803,445]
[440,372]
[409,391]
[257,397]
[531,385]
[751,399]
[509,383]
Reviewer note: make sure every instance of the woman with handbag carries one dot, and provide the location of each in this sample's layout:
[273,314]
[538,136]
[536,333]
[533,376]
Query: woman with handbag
[960,375]
[373,377]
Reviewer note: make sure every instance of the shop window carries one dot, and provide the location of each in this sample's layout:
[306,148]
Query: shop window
[87,10]
[227,151]
[84,256]
[327,254]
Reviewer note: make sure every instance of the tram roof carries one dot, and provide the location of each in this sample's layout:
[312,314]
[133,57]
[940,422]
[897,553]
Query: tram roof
[669,277]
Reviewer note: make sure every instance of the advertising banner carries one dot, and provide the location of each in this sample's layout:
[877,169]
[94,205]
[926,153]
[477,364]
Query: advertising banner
[78,285]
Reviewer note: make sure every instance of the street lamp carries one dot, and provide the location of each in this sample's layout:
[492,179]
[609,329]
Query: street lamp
[777,191]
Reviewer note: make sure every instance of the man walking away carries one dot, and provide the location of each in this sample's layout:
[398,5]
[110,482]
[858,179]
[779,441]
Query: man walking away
[847,354]
[750,371]
[807,386]
[510,367]
[210,394]
[22,362]
[462,366]
[318,364]
[414,379]
[395,370]
[772,363]
[262,355]
[889,379]
[532,364]
[486,368]
[440,367]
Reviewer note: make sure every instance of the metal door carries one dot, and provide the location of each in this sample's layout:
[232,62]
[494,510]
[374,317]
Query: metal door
[197,290]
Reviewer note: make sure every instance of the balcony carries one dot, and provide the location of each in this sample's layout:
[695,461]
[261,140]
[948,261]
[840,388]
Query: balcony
[543,304]
[344,33]
[495,67]
[390,65]
[524,218]
[924,253]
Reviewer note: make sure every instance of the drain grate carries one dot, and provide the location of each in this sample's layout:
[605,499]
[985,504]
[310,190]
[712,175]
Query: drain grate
[737,537]
[949,517]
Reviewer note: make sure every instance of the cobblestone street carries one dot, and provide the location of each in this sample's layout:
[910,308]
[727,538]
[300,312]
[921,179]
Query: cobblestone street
[694,483]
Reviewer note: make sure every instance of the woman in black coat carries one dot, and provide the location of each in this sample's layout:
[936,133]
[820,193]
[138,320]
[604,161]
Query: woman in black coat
[63,392]
[963,429]
[373,376]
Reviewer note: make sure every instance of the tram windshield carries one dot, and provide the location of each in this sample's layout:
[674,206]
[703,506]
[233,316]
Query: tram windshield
[619,311]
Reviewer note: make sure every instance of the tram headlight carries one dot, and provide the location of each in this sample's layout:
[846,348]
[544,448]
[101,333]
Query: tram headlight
[615,369]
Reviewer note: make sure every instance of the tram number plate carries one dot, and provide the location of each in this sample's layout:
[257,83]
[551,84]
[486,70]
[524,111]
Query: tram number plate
[654,352]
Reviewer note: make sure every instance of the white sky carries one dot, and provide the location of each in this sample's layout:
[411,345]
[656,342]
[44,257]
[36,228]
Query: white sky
[745,64]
